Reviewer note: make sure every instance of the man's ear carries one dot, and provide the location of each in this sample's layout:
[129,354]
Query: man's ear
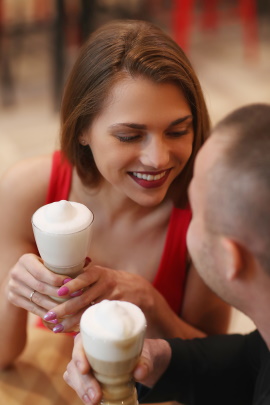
[234,258]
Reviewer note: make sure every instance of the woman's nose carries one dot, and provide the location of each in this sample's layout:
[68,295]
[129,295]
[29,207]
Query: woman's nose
[155,154]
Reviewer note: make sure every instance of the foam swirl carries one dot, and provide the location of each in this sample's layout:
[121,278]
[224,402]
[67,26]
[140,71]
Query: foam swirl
[62,217]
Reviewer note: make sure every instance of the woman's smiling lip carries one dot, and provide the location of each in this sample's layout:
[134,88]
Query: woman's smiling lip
[150,179]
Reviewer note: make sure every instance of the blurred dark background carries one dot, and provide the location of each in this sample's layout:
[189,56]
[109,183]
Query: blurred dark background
[39,39]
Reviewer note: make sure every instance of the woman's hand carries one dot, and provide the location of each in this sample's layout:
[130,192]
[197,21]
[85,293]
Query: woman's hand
[154,360]
[29,275]
[95,284]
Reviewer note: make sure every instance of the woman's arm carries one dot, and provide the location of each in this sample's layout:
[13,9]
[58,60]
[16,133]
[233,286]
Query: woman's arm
[22,191]
[203,312]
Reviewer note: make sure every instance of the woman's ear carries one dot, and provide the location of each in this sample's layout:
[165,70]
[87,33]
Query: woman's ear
[82,140]
[234,258]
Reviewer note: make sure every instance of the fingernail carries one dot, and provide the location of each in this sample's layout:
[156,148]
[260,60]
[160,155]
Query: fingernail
[62,291]
[86,399]
[58,328]
[78,364]
[53,321]
[91,393]
[76,293]
[87,261]
[50,316]
[140,372]
[66,280]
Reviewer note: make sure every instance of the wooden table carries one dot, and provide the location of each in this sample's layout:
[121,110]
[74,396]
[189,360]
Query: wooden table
[37,376]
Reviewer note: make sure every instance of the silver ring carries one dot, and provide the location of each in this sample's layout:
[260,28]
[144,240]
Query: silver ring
[31,295]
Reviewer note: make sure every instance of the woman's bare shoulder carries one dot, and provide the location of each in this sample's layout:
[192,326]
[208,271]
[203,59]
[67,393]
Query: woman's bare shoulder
[27,177]
[23,189]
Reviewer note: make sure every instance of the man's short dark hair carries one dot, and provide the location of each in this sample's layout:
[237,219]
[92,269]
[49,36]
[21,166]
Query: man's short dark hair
[239,182]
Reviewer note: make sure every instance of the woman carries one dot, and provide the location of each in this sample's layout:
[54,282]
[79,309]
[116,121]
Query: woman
[133,118]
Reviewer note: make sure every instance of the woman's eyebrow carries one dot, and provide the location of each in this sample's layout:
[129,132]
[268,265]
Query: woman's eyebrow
[142,126]
[129,125]
[180,120]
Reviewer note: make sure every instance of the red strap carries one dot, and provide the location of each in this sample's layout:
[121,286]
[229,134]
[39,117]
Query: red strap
[60,180]
[171,275]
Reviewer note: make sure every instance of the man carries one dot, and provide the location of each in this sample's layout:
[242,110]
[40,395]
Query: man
[228,240]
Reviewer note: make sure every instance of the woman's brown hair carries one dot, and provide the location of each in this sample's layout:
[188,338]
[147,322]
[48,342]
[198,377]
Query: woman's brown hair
[126,47]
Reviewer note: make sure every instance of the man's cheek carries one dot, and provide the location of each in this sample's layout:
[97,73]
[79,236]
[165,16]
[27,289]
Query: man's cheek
[190,238]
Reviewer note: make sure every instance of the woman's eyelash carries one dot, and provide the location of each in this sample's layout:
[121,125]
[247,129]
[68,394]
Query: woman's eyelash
[177,133]
[133,138]
[127,138]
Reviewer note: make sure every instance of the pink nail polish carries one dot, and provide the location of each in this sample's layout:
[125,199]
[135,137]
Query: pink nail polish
[76,293]
[66,280]
[53,321]
[58,328]
[62,291]
[50,316]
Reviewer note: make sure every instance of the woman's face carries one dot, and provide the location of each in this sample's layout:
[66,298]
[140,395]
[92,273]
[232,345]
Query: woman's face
[142,139]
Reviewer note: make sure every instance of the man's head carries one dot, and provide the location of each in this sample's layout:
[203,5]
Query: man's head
[230,199]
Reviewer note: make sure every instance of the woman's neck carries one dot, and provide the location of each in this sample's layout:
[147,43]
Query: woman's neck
[104,198]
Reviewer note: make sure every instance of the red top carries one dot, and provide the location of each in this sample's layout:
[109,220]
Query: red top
[171,274]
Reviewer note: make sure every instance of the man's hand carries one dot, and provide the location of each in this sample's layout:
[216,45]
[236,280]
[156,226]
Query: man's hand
[154,360]
[79,376]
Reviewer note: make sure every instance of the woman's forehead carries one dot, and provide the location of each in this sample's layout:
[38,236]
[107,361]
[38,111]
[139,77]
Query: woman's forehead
[144,93]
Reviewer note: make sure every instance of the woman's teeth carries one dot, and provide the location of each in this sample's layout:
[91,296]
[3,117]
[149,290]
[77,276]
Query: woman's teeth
[149,177]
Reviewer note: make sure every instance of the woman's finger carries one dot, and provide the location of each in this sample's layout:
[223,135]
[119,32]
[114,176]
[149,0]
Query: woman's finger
[34,265]
[83,280]
[72,305]
[26,304]
[68,324]
[18,289]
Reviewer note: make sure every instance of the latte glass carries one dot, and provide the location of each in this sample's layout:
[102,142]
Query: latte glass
[112,335]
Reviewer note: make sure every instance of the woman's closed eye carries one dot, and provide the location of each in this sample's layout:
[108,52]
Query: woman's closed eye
[177,134]
[180,130]
[180,127]
[128,138]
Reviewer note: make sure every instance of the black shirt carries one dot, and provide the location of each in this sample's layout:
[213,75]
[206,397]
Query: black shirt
[217,370]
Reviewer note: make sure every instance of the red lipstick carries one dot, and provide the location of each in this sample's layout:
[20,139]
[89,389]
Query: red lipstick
[150,183]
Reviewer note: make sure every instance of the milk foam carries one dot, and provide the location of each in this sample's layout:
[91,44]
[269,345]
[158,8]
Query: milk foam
[113,330]
[62,217]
